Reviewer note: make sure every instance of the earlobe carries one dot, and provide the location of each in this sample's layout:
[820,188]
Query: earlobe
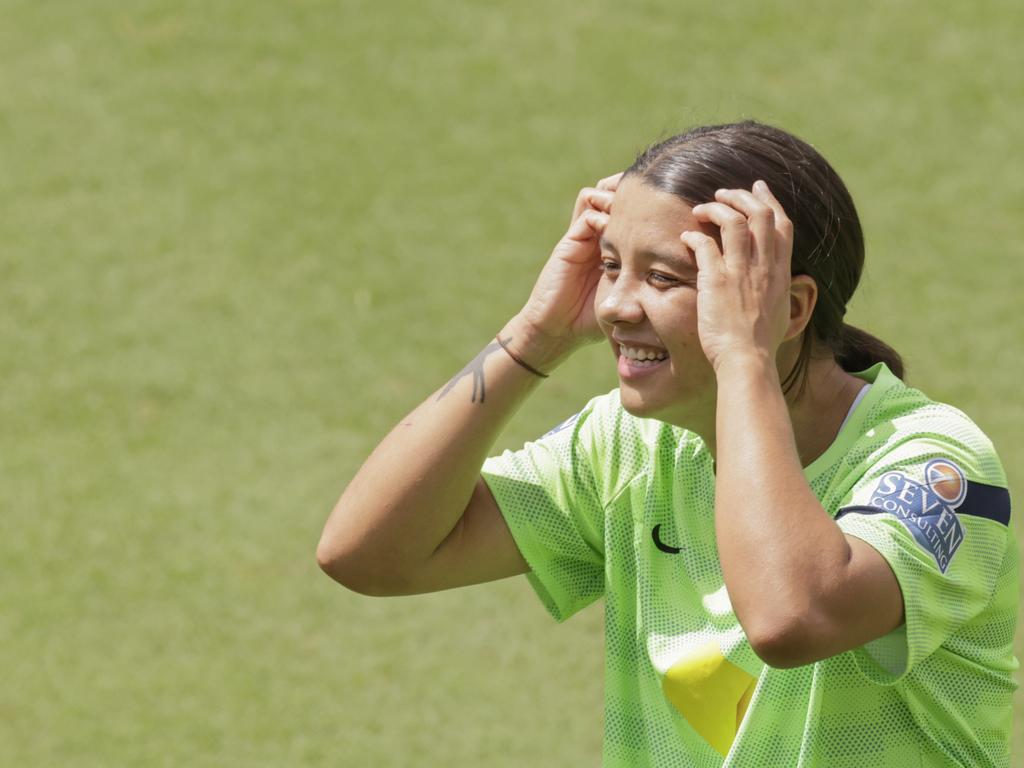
[803,296]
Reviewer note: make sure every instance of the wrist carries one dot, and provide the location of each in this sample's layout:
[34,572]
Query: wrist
[539,350]
[745,362]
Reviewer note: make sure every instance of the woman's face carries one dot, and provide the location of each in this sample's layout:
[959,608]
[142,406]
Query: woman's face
[646,304]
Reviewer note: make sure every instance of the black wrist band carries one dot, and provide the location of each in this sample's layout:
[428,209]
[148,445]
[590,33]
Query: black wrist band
[518,359]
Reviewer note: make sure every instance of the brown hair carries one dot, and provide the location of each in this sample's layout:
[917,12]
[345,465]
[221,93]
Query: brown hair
[828,243]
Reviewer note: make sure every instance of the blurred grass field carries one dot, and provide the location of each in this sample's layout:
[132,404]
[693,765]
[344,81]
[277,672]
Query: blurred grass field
[239,240]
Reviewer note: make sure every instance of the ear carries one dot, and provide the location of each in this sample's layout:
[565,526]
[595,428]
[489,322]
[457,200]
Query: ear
[803,296]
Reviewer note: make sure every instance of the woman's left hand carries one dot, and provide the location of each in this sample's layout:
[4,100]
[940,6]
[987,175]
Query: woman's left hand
[743,293]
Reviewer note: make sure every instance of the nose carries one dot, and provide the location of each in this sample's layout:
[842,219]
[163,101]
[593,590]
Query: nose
[620,302]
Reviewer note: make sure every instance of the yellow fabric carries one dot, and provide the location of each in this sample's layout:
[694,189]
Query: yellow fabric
[711,693]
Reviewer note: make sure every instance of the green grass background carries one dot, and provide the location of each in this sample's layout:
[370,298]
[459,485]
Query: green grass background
[238,240]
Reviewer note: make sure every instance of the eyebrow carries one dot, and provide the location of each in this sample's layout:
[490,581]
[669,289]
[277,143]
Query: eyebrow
[677,261]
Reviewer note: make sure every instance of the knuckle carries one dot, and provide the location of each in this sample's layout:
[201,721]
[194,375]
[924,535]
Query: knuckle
[734,218]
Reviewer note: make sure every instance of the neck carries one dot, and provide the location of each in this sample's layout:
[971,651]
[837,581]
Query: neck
[816,414]
[819,411]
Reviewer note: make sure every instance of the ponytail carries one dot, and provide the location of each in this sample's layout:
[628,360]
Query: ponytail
[858,350]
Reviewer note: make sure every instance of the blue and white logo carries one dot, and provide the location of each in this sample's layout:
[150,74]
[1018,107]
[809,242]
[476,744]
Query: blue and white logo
[926,509]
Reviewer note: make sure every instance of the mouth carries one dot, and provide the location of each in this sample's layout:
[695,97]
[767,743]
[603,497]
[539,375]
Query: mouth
[634,362]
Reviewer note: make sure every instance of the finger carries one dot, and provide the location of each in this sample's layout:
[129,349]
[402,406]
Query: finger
[705,251]
[782,223]
[745,202]
[579,245]
[591,197]
[588,226]
[601,200]
[760,221]
[597,221]
[733,226]
[611,183]
[581,204]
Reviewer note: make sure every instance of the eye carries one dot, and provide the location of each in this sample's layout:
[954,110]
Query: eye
[661,279]
[608,266]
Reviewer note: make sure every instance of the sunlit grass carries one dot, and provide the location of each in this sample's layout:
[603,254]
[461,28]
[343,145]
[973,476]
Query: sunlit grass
[239,240]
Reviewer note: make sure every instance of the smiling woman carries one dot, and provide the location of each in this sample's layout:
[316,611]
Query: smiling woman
[804,561]
[647,306]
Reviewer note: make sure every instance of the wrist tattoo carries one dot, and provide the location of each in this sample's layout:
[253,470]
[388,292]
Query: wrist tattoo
[476,368]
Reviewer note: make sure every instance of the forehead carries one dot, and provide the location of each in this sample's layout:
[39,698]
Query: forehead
[643,217]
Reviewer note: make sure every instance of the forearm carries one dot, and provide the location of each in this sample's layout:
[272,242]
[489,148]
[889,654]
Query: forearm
[422,483]
[413,489]
[781,553]
[801,589]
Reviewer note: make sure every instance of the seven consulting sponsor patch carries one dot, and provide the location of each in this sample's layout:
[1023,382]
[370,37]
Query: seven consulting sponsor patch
[926,509]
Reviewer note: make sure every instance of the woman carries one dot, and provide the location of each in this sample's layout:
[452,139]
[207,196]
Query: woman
[804,561]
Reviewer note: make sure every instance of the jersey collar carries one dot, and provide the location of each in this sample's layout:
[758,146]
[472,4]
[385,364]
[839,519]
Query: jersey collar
[881,380]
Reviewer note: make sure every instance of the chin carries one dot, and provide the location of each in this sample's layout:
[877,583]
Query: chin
[695,416]
[636,404]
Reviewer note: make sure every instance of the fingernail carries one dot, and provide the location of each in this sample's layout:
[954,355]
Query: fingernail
[760,186]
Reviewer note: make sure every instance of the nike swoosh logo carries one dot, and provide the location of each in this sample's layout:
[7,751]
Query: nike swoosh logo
[661,544]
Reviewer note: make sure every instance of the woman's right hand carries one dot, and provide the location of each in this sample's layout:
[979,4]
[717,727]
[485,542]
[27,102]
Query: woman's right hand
[559,314]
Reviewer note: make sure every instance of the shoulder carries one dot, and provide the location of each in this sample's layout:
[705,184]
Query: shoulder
[906,426]
[604,422]
[615,446]
[603,419]
[925,468]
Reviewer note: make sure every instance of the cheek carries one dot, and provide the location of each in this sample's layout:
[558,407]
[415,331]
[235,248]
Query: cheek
[676,316]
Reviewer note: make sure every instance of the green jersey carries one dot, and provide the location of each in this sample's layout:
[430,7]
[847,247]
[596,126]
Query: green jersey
[614,506]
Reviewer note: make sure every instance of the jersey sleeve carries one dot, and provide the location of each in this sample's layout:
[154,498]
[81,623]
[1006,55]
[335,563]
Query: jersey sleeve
[937,509]
[549,494]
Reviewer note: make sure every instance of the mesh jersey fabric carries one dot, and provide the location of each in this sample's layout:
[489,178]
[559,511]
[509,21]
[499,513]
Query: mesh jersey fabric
[614,506]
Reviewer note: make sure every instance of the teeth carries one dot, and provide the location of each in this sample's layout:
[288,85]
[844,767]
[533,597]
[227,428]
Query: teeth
[634,353]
